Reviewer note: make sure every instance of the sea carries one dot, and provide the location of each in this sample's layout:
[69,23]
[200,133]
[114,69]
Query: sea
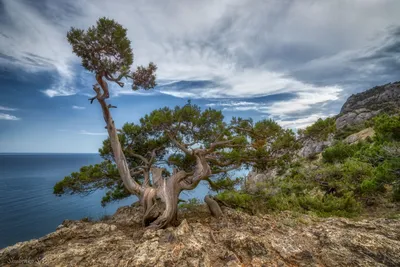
[28,207]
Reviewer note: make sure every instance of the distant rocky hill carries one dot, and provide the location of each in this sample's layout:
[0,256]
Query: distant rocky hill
[362,106]
[358,109]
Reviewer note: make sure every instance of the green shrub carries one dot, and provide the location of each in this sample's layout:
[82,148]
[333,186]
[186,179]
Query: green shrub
[320,130]
[387,127]
[349,130]
[190,204]
[321,204]
[340,152]
[369,186]
[374,154]
[237,199]
[356,171]
[329,205]
[396,193]
[224,183]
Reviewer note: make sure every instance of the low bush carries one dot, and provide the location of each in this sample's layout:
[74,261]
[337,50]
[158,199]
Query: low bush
[190,204]
[340,152]
[387,127]
[349,130]
[320,130]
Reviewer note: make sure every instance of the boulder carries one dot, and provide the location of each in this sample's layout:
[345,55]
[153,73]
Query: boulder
[361,135]
[312,147]
[254,179]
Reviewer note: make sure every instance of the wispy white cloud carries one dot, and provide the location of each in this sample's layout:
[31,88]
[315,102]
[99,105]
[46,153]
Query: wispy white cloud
[7,108]
[127,90]
[302,102]
[233,103]
[302,123]
[92,133]
[78,107]
[61,88]
[8,117]
[34,42]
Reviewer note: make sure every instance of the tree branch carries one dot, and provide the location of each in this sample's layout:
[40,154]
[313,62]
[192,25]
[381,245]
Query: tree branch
[202,169]
[146,175]
[117,80]
[215,145]
[119,157]
[178,144]
[104,86]
[156,174]
[141,158]
[134,173]
[226,170]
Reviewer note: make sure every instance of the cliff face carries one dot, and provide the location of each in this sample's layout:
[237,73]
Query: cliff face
[356,110]
[360,107]
[237,240]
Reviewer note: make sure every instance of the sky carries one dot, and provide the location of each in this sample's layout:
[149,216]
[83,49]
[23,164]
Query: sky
[292,61]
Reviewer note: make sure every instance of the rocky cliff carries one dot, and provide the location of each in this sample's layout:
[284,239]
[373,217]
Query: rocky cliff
[360,107]
[238,239]
[356,110]
[311,146]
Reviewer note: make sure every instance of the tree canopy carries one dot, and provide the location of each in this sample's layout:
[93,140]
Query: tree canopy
[167,137]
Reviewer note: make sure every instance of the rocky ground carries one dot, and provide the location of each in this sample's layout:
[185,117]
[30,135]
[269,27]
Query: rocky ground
[284,239]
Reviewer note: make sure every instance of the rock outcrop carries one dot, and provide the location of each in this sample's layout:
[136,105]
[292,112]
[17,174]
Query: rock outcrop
[363,106]
[253,179]
[312,147]
[236,240]
[361,135]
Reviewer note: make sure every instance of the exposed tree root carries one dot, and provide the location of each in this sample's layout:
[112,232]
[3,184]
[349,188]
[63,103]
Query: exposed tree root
[213,206]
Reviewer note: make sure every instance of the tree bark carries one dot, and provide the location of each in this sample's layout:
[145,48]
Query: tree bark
[166,200]
[119,156]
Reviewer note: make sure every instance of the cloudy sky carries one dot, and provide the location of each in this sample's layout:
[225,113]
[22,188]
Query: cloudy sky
[290,60]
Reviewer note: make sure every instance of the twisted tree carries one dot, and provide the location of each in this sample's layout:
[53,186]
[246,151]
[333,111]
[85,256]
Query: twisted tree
[168,151]
[200,142]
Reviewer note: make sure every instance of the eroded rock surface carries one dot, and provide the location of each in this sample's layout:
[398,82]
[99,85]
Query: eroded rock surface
[363,106]
[237,240]
[313,147]
[360,136]
[254,179]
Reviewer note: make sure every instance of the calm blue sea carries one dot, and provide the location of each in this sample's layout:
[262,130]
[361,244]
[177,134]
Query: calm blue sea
[28,208]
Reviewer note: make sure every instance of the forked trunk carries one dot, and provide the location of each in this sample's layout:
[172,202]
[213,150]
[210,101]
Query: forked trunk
[161,205]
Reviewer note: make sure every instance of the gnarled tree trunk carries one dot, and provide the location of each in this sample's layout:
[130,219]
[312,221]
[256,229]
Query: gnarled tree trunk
[159,200]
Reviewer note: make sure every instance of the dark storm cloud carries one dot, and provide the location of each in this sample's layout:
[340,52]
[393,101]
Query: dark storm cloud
[357,70]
